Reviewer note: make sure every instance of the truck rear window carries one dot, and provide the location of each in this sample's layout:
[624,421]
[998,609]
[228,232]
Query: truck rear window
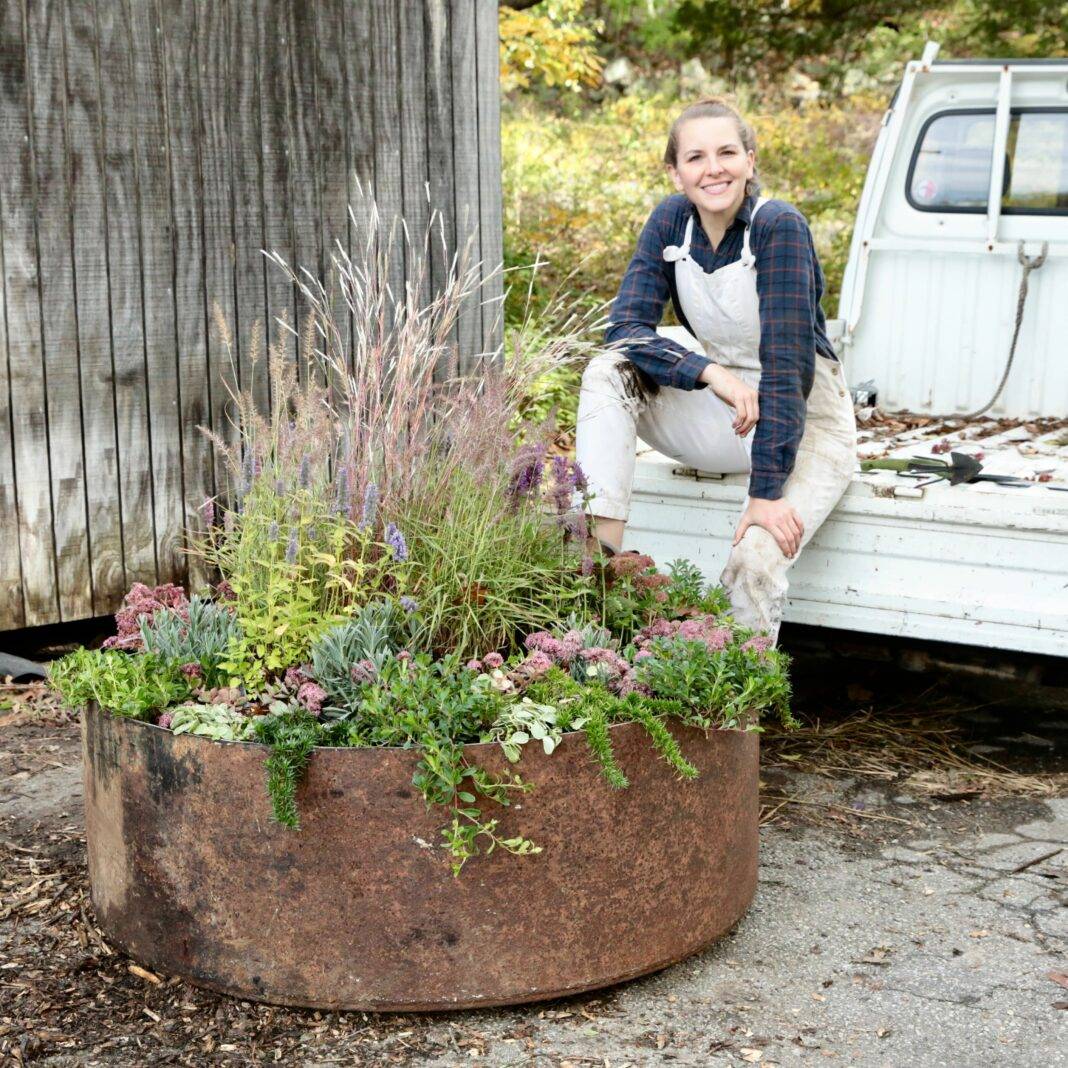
[950,168]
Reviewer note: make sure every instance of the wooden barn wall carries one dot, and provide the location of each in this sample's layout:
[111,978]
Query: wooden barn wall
[149,149]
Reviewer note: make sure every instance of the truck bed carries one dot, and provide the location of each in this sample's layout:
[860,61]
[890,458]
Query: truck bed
[979,564]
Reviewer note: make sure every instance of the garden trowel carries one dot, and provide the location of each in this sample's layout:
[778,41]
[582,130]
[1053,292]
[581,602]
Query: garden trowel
[960,467]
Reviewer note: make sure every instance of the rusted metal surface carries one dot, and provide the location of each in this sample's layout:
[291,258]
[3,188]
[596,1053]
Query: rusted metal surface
[358,909]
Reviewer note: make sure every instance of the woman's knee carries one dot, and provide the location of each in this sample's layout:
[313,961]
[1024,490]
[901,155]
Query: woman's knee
[757,554]
[613,379]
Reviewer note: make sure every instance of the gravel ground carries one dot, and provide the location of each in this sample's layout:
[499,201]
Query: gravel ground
[897,923]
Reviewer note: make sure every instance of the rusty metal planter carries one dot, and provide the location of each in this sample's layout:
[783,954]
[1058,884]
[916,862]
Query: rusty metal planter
[358,909]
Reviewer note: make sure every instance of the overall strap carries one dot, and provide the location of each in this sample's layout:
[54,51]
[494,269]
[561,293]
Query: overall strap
[680,252]
[748,256]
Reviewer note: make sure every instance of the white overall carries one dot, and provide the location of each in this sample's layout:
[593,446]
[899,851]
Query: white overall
[695,427]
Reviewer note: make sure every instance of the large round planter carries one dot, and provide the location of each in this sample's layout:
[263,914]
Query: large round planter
[359,910]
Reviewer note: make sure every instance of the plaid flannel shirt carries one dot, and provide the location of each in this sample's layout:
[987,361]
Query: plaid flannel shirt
[792,325]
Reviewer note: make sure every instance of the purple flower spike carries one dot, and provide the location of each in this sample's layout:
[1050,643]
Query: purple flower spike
[305,472]
[527,472]
[207,510]
[395,540]
[247,472]
[272,533]
[341,495]
[409,604]
[370,506]
[581,482]
[291,548]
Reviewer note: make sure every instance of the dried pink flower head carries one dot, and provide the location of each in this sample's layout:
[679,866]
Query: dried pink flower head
[493,660]
[571,644]
[607,658]
[311,695]
[651,582]
[363,671]
[295,677]
[761,643]
[473,665]
[534,666]
[629,563]
[542,641]
[192,670]
[164,720]
[143,602]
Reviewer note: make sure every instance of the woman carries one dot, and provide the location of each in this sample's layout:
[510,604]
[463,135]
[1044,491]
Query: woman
[768,396]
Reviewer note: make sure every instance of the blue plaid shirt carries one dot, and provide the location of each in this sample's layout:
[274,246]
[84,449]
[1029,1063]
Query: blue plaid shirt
[792,325]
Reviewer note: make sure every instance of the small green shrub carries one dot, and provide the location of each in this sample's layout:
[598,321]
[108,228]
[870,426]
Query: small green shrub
[134,686]
[347,656]
[203,636]
[718,687]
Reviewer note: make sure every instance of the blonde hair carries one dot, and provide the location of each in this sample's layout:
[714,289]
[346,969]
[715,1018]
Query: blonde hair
[713,108]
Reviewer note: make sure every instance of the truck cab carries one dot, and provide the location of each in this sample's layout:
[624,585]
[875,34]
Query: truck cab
[951,329]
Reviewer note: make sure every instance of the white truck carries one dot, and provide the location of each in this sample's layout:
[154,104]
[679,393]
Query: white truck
[960,245]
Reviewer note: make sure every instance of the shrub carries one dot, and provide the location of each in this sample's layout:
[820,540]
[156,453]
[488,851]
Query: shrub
[717,687]
[201,633]
[131,686]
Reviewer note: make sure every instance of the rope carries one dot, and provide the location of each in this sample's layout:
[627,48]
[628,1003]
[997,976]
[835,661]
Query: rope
[1029,264]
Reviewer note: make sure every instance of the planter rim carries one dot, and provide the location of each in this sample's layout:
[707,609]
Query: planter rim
[383,748]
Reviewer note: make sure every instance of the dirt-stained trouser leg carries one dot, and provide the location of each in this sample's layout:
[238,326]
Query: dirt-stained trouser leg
[755,575]
[692,426]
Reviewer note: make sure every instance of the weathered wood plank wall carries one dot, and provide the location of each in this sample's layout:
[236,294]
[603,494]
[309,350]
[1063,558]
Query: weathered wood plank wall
[149,149]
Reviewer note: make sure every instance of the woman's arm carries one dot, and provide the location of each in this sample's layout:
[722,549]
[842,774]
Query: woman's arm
[638,308]
[787,285]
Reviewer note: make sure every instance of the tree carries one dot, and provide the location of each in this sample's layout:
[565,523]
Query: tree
[773,34]
[553,45]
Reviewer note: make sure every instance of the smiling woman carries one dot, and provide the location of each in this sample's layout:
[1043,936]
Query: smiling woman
[761,391]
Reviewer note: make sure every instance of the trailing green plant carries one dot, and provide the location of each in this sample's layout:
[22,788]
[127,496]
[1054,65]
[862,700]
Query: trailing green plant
[292,735]
[600,743]
[644,712]
[202,633]
[220,722]
[131,686]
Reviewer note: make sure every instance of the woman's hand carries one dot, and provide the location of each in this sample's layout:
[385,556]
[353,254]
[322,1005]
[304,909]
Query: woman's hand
[779,518]
[733,391]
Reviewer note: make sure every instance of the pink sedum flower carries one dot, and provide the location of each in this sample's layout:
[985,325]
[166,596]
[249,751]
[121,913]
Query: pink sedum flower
[535,665]
[311,695]
[493,660]
[164,720]
[144,602]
